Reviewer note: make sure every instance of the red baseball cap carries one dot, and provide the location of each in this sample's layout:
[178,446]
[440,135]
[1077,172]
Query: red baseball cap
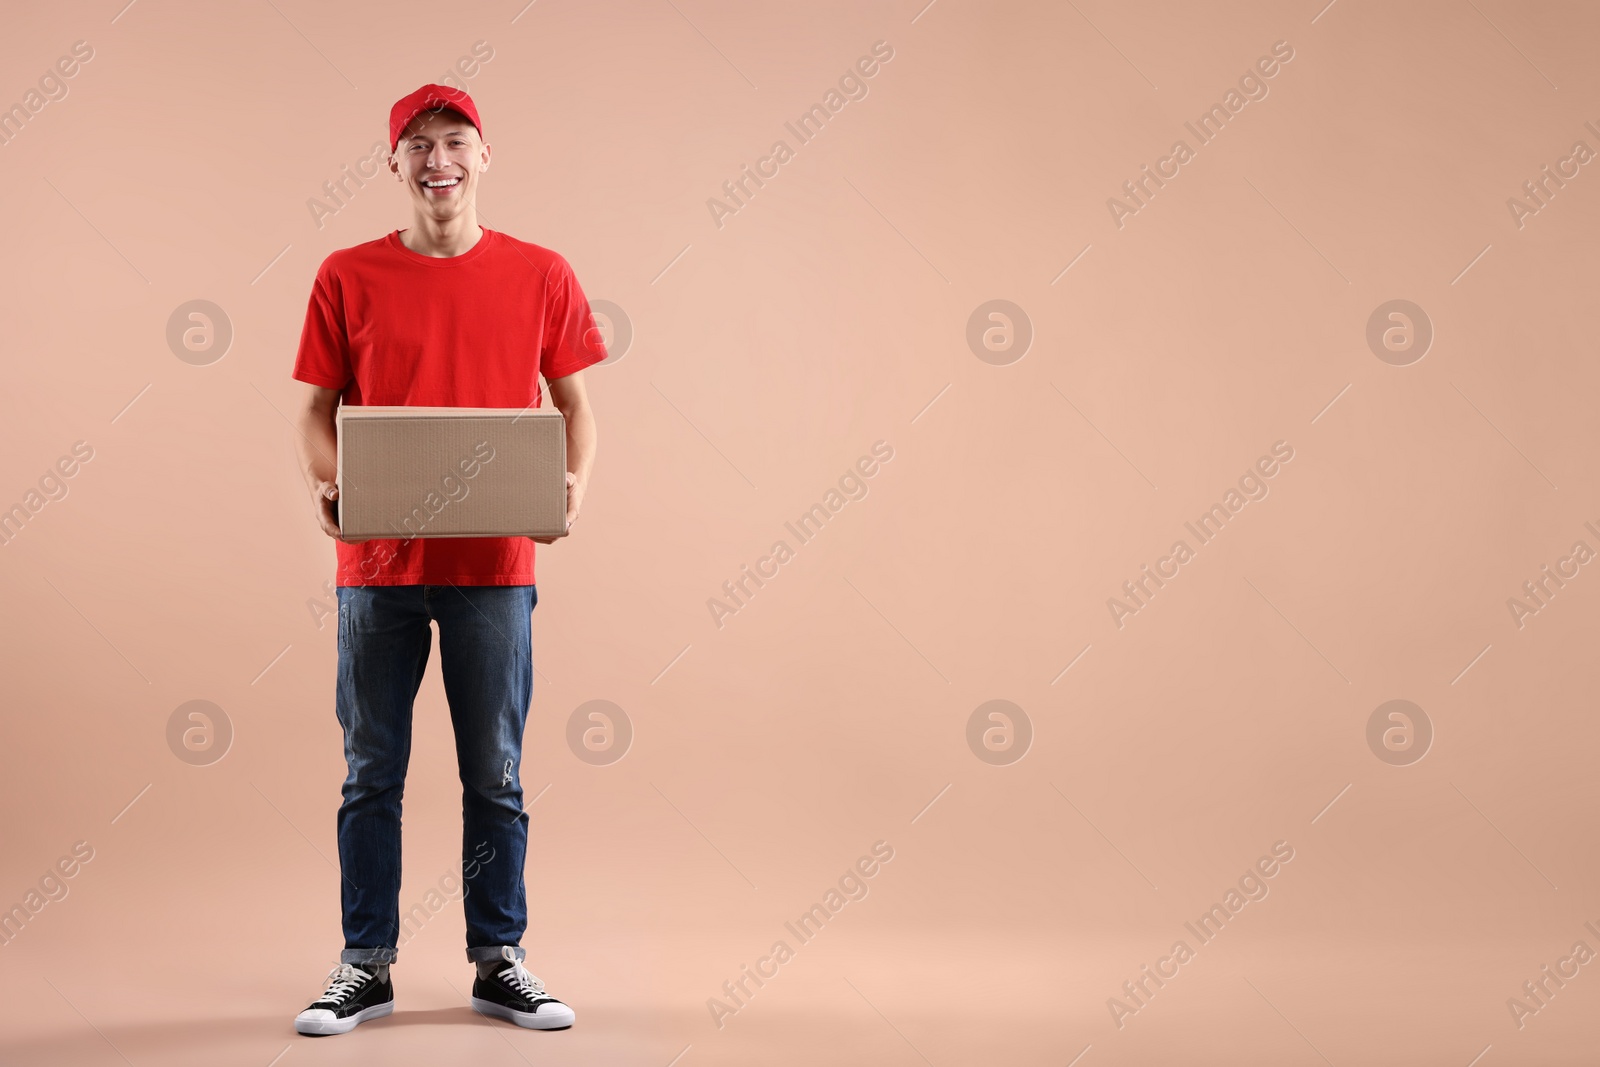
[429,98]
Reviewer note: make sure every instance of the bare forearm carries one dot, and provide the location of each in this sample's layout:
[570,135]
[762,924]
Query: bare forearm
[581,438]
[315,442]
[317,446]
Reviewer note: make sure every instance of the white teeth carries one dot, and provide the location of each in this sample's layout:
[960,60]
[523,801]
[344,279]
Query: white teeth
[440,184]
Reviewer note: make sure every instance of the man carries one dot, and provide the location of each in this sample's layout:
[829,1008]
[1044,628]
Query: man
[446,313]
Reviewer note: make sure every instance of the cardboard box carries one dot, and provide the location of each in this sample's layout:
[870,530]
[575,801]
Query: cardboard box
[451,472]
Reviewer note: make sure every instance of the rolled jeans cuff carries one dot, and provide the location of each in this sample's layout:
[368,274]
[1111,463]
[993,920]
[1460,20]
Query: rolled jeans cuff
[369,955]
[492,952]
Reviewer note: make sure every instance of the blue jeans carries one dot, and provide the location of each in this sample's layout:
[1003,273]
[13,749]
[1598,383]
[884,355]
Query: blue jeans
[486,656]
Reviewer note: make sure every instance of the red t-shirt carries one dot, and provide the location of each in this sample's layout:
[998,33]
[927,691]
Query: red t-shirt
[391,326]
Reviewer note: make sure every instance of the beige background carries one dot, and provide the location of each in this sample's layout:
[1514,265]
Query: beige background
[829,313]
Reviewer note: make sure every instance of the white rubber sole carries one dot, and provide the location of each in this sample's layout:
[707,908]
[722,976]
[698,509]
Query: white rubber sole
[558,1017]
[345,1025]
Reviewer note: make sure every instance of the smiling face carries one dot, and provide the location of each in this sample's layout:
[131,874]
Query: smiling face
[439,158]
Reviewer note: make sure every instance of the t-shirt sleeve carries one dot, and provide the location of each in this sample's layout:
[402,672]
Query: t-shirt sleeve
[572,340]
[324,356]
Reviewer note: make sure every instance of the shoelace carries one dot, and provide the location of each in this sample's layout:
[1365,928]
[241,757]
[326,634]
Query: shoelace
[343,980]
[517,976]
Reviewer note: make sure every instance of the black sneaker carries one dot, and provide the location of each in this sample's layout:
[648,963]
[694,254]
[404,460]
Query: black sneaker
[512,993]
[353,996]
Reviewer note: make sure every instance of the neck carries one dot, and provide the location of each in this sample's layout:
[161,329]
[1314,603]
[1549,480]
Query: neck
[443,238]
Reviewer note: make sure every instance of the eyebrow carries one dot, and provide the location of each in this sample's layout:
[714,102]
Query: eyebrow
[448,133]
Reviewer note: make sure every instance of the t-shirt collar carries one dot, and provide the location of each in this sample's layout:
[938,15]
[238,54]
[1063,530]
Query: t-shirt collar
[394,242]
